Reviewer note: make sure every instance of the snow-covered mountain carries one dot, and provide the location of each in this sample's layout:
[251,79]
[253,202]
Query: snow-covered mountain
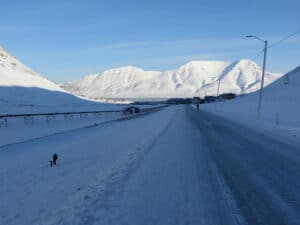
[15,73]
[192,79]
[19,85]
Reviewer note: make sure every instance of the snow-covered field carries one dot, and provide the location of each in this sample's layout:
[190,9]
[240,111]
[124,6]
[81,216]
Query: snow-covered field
[36,109]
[19,130]
[175,166]
[89,158]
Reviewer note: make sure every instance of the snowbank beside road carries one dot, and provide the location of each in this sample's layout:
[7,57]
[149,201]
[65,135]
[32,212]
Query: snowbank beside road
[32,193]
[280,107]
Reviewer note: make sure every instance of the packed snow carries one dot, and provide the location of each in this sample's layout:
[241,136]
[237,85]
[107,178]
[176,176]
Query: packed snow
[196,78]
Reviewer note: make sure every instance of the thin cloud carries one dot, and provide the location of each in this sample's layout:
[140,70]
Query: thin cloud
[125,45]
[150,62]
[174,60]
[204,43]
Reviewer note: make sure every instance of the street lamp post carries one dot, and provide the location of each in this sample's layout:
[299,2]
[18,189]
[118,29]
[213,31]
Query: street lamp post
[218,87]
[263,74]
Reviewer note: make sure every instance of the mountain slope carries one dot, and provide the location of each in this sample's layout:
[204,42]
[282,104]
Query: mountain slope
[192,79]
[15,73]
[19,85]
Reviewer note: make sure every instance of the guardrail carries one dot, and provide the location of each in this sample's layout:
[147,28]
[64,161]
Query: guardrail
[29,117]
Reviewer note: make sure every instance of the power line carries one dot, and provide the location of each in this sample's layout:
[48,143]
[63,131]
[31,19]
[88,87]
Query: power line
[258,54]
[278,42]
[285,38]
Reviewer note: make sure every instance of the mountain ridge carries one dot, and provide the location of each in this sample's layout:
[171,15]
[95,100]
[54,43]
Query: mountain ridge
[20,85]
[195,78]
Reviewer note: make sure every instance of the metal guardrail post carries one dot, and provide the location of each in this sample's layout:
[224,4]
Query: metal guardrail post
[50,118]
[68,116]
[95,115]
[3,122]
[83,115]
[28,120]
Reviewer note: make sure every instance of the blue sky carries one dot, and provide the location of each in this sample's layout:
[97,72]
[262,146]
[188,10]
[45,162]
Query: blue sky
[64,40]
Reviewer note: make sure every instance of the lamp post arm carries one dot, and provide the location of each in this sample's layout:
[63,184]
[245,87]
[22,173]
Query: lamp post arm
[253,36]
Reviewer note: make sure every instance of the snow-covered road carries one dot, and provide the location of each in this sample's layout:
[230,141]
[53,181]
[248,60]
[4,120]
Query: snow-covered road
[261,171]
[176,166]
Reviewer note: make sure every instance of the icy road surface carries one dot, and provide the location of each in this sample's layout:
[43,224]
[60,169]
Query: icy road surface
[176,166]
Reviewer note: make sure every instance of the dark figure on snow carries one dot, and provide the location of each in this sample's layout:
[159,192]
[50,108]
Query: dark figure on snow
[197,105]
[54,159]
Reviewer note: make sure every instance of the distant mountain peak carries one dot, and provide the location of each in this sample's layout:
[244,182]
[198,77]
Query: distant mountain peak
[124,69]
[201,63]
[245,61]
[192,79]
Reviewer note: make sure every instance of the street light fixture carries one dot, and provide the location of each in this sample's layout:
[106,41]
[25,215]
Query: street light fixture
[253,36]
[263,73]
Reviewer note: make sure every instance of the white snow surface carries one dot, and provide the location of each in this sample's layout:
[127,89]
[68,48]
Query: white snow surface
[196,78]
[21,87]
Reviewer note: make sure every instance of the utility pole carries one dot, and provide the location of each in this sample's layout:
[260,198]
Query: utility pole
[262,81]
[218,87]
[263,75]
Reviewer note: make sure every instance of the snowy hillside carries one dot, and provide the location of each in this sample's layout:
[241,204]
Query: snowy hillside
[192,79]
[280,102]
[15,73]
[20,86]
